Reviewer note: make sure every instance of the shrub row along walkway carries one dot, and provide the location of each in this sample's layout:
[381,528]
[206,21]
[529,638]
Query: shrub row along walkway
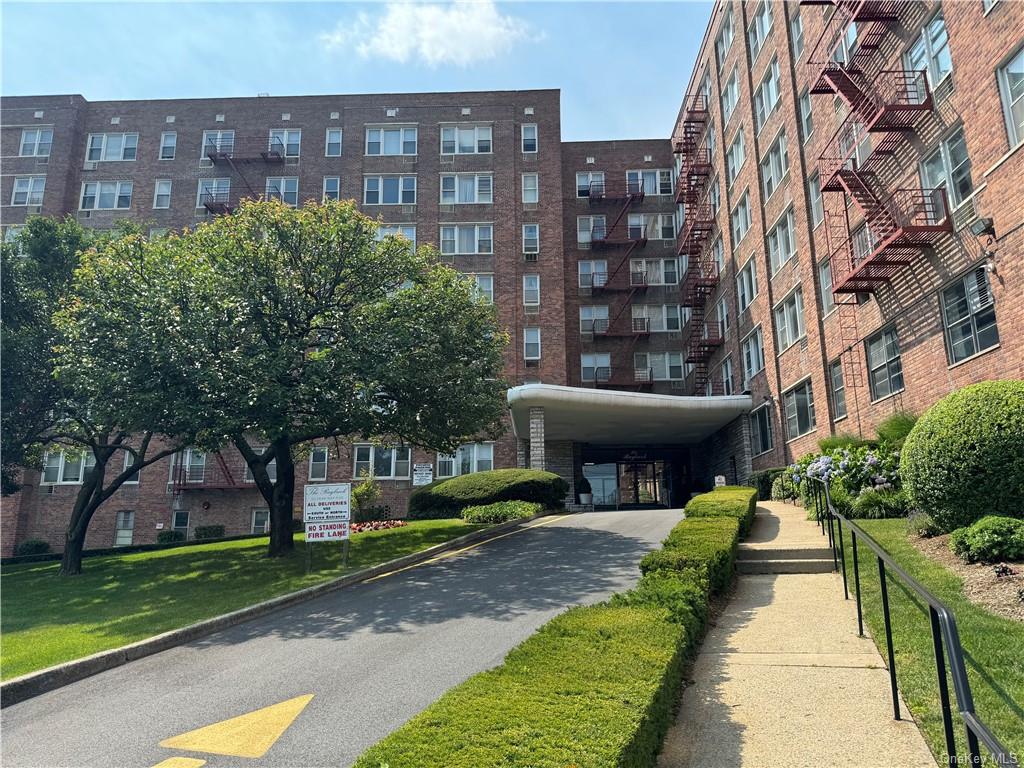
[783,678]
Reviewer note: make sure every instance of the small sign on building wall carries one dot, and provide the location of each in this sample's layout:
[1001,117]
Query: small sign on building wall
[719,481]
[422,474]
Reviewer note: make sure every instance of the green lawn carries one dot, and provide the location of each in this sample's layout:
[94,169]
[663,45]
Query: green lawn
[119,599]
[993,646]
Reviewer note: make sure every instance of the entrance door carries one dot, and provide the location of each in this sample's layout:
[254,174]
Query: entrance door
[603,483]
[643,483]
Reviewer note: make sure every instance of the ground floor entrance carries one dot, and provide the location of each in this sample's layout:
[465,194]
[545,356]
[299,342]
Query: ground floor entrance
[644,476]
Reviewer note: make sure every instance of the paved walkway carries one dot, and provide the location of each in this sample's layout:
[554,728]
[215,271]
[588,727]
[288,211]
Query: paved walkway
[783,678]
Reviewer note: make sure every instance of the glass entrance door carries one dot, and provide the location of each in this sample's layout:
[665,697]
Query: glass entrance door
[603,483]
[642,482]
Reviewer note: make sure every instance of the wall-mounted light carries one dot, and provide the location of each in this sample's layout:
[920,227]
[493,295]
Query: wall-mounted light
[985,228]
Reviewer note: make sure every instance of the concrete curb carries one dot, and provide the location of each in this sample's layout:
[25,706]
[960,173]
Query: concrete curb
[35,683]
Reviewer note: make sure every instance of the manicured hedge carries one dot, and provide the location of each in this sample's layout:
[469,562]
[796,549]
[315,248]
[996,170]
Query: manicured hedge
[595,686]
[447,498]
[737,501]
[964,458]
[169,537]
[209,531]
[501,511]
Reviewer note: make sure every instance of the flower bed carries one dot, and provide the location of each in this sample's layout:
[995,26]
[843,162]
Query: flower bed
[376,525]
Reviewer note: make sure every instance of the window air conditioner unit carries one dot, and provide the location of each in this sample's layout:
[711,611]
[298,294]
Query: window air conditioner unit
[531,309]
[530,256]
[447,159]
[85,214]
[89,166]
[411,209]
[446,208]
[676,385]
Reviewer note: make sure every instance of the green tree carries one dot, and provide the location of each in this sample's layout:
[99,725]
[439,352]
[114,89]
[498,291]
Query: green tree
[275,326]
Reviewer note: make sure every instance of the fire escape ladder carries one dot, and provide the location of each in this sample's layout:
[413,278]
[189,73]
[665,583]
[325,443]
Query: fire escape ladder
[846,312]
[224,468]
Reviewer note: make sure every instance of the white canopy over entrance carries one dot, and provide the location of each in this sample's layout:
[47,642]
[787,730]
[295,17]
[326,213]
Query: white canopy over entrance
[609,417]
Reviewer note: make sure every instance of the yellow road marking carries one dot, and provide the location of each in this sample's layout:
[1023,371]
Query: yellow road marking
[249,735]
[443,555]
[180,762]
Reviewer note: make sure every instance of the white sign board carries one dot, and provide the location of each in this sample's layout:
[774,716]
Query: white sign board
[719,481]
[326,503]
[332,531]
[422,474]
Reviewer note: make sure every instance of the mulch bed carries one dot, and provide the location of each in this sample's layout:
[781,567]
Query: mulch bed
[981,585]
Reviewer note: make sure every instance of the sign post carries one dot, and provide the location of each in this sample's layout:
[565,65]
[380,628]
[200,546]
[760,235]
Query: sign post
[326,514]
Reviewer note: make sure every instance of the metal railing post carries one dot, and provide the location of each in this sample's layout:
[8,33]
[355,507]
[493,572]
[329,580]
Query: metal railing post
[888,639]
[842,558]
[940,667]
[856,584]
[832,536]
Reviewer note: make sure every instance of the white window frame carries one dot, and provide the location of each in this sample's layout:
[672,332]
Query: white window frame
[1014,126]
[118,193]
[655,271]
[531,238]
[656,182]
[337,183]
[479,457]
[265,528]
[223,139]
[727,380]
[837,389]
[481,134]
[759,28]
[741,218]
[36,142]
[978,298]
[726,32]
[531,290]
[761,436]
[328,142]
[157,193]
[531,188]
[85,460]
[32,187]
[752,352]
[595,269]
[404,132]
[408,231]
[525,129]
[102,148]
[594,317]
[165,144]
[485,295]
[782,241]
[828,299]
[585,181]
[790,398]
[775,165]
[531,338]
[124,520]
[925,45]
[585,227]
[247,476]
[788,315]
[817,202]
[796,33]
[280,188]
[594,362]
[767,95]
[806,114]
[735,157]
[482,186]
[216,187]
[730,97]
[318,450]
[746,284]
[477,239]
[373,461]
[402,184]
[942,151]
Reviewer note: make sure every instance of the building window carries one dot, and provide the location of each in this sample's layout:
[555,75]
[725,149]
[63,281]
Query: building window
[217,142]
[659,366]
[746,284]
[734,157]
[213,191]
[28,190]
[260,520]
[817,204]
[467,188]
[760,27]
[162,194]
[724,40]
[531,238]
[969,316]
[949,168]
[63,468]
[658,318]
[775,165]
[332,187]
[930,52]
[531,188]
[594,319]
[863,243]
[654,271]
[389,190]
[318,463]
[408,231]
[589,181]
[718,254]
[483,288]
[715,196]
[168,145]
[782,241]
[789,320]
[806,116]
[467,239]
[590,227]
[828,299]
[722,315]
[761,430]
[475,457]
[753,356]
[179,521]
[124,525]
[885,369]
[843,54]
[112,146]
[466,140]
[1011,86]
[529,138]
[106,195]
[531,343]
[593,274]
[656,181]
[727,376]
[796,29]
[390,141]
[766,97]
[595,367]
[192,462]
[799,405]
[332,145]
[36,142]
[740,219]
[653,226]
[247,475]
[730,97]
[531,290]
[838,387]
[385,462]
[283,188]
[286,142]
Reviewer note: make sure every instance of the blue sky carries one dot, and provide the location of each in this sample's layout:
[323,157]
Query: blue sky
[622,67]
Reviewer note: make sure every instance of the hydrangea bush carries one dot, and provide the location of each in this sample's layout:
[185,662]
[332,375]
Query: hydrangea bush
[855,469]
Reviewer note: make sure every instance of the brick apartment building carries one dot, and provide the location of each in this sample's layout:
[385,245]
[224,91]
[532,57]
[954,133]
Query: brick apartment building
[798,260]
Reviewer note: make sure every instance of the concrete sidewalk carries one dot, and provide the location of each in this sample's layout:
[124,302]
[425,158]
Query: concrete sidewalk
[783,678]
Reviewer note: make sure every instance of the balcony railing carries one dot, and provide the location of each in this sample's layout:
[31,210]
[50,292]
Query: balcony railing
[272,150]
[691,124]
[641,325]
[594,280]
[217,202]
[597,327]
[602,234]
[643,375]
[629,190]
[637,278]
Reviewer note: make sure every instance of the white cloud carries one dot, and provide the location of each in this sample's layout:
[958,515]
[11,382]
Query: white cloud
[461,33]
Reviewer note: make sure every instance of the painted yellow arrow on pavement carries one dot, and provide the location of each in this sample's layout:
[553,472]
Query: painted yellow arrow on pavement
[249,735]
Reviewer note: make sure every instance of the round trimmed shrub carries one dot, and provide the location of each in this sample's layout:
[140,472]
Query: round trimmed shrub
[964,458]
[989,540]
[32,547]
[447,498]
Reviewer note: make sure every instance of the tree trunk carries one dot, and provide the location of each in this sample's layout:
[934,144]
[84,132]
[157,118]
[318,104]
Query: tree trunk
[87,502]
[282,537]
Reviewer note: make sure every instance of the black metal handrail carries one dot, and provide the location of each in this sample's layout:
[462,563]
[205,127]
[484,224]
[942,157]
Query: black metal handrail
[945,636]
